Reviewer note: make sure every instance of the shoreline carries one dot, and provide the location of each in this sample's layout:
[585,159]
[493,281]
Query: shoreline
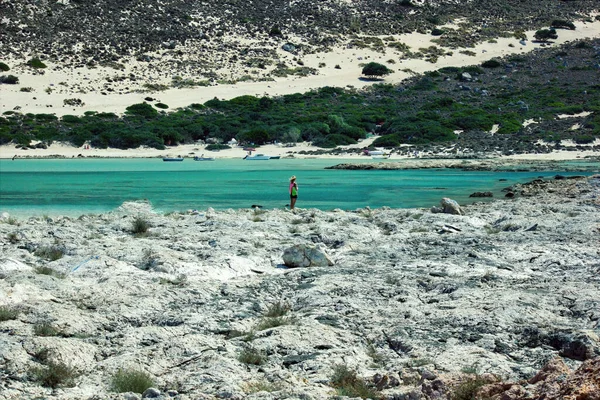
[299,151]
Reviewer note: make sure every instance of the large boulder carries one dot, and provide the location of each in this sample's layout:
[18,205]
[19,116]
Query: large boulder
[304,255]
[449,206]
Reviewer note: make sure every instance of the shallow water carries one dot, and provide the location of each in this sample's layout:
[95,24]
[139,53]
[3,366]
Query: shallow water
[79,186]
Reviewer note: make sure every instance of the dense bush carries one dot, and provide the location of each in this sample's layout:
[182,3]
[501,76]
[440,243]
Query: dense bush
[131,381]
[560,23]
[375,69]
[348,383]
[423,109]
[141,110]
[54,375]
[491,64]
[9,79]
[4,67]
[36,63]
[544,34]
[213,147]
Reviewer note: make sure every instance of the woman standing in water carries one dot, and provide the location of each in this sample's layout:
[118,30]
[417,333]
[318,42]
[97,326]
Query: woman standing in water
[293,192]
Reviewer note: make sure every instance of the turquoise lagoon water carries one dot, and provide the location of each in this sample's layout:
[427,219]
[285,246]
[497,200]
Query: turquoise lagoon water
[79,186]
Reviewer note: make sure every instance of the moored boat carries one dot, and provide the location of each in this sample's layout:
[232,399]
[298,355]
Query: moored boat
[171,159]
[259,157]
[202,158]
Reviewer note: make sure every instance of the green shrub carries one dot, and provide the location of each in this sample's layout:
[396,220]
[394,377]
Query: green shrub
[252,356]
[467,390]
[9,79]
[560,23]
[268,323]
[8,313]
[437,32]
[46,329]
[131,381]
[50,253]
[375,69]
[141,110]
[348,383]
[261,386]
[584,139]
[140,226]
[4,67]
[36,63]
[43,270]
[212,147]
[545,34]
[161,106]
[491,64]
[12,237]
[54,375]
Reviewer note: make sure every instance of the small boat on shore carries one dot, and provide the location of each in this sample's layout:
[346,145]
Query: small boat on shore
[202,158]
[172,159]
[260,157]
[381,157]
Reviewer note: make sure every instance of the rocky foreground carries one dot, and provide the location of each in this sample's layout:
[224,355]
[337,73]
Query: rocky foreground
[390,303]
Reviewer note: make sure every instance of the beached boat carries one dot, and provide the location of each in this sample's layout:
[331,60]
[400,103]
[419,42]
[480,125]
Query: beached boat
[381,156]
[260,157]
[202,158]
[171,159]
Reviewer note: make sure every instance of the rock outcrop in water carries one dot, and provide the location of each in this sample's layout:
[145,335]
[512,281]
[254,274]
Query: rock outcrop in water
[486,164]
[203,304]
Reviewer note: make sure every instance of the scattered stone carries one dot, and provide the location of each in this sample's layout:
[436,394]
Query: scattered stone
[151,393]
[302,255]
[450,206]
[482,194]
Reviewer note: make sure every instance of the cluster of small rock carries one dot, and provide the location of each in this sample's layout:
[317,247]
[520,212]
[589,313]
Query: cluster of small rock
[414,302]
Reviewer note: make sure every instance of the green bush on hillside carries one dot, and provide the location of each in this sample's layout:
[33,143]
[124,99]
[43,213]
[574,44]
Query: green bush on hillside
[36,63]
[9,79]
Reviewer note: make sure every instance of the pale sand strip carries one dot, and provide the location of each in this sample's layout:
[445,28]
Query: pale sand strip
[348,59]
[190,150]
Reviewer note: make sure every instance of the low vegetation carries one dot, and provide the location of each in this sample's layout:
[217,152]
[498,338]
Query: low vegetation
[8,313]
[467,390]
[348,383]
[131,380]
[50,253]
[36,63]
[44,270]
[46,329]
[423,111]
[140,226]
[252,356]
[54,375]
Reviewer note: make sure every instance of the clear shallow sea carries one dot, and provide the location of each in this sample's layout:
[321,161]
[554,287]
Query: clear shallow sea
[80,186]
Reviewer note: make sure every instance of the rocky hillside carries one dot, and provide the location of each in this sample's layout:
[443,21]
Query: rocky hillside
[104,31]
[398,304]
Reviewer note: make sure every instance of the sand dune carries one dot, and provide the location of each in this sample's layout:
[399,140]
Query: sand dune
[51,87]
